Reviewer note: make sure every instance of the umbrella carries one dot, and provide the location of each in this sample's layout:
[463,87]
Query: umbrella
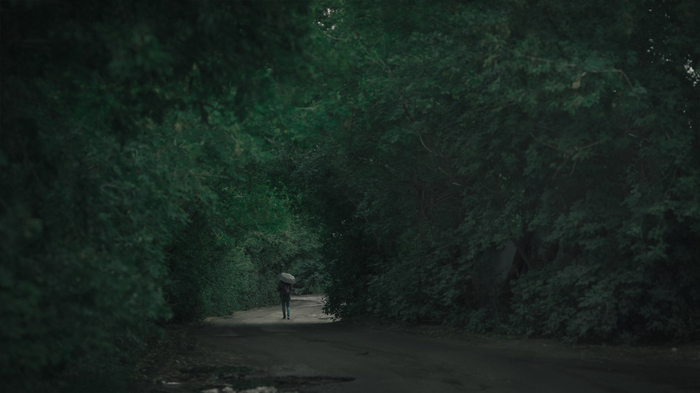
[288,278]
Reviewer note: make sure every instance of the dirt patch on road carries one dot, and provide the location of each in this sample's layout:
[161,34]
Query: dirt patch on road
[177,363]
[164,357]
[686,353]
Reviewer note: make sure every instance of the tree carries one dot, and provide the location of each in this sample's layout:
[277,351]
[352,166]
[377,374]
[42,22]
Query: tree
[456,127]
[119,122]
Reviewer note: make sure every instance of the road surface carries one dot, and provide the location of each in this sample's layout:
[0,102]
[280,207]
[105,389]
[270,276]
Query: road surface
[310,352]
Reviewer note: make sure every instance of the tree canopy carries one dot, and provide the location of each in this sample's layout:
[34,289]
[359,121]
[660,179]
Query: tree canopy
[569,130]
[127,180]
[510,166]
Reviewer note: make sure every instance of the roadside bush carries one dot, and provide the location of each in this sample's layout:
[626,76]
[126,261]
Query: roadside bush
[311,277]
[228,259]
[601,301]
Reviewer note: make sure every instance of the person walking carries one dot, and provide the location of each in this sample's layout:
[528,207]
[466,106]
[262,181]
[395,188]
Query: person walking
[284,287]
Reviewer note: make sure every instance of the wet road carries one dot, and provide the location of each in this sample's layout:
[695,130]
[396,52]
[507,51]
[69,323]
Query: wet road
[377,360]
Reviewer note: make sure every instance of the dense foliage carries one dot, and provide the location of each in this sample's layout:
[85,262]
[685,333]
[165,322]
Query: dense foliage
[165,160]
[230,260]
[567,129]
[126,172]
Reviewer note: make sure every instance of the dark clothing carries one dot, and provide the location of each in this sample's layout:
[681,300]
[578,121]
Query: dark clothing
[285,305]
[285,291]
[284,288]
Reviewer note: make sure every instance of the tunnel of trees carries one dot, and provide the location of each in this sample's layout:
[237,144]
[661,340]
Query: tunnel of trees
[509,166]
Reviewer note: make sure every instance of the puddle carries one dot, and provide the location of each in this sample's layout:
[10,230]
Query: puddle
[208,370]
[236,378]
[280,383]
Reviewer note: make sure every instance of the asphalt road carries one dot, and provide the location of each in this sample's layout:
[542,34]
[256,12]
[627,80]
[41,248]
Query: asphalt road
[350,358]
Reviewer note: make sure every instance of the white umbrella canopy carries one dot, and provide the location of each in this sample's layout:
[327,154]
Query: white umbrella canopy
[288,278]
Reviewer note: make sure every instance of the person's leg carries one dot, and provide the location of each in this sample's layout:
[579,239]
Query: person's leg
[284,310]
[288,301]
